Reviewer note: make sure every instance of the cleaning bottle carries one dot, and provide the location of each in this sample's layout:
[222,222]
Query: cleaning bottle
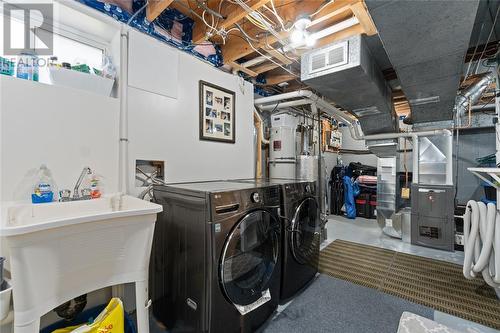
[43,190]
[95,186]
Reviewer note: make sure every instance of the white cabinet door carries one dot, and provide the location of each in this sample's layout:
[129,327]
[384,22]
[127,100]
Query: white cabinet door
[153,66]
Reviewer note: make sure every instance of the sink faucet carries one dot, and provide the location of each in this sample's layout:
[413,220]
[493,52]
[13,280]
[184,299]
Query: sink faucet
[76,194]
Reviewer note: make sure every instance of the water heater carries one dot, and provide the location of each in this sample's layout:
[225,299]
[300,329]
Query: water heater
[282,152]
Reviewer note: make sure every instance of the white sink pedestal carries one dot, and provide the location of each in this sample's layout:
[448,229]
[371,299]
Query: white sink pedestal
[58,251]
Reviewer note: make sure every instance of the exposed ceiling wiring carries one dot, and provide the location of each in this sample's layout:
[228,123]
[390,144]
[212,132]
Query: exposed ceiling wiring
[247,38]
[202,5]
[488,40]
[328,2]
[137,13]
[256,15]
[475,50]
[278,17]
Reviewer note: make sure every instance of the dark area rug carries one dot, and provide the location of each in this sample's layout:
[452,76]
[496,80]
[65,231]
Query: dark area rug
[433,283]
[333,305]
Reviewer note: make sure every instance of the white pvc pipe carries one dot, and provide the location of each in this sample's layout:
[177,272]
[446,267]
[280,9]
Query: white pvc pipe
[280,97]
[123,150]
[482,243]
[449,159]
[334,28]
[308,97]
[415,158]
[264,141]
[123,175]
[283,105]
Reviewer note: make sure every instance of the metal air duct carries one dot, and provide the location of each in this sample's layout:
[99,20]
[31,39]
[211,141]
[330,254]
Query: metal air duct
[346,73]
[426,42]
[472,94]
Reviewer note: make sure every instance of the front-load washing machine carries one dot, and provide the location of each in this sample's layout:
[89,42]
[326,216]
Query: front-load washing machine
[300,212]
[216,258]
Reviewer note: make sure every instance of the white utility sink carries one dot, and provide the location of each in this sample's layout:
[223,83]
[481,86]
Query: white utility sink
[27,218]
[58,251]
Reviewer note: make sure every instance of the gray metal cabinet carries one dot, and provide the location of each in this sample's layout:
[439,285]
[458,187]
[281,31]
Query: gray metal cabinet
[432,218]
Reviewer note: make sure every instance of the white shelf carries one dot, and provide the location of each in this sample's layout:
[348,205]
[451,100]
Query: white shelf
[488,174]
[64,89]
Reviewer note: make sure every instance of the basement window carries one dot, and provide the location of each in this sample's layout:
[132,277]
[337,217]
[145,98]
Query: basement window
[73,52]
[66,47]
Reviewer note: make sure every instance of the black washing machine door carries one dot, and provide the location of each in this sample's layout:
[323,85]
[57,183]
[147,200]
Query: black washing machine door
[249,257]
[304,231]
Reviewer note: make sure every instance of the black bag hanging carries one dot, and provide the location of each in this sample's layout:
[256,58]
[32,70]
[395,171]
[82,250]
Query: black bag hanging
[359,169]
[337,189]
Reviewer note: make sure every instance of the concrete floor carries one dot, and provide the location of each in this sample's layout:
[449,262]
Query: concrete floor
[367,231]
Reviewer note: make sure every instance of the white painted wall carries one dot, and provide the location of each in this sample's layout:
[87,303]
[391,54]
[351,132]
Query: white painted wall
[349,143]
[167,129]
[67,129]
[64,128]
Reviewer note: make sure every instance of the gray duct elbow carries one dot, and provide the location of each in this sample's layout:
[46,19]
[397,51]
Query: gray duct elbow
[472,94]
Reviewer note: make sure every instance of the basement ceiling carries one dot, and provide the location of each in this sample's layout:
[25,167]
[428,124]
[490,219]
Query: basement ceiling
[242,40]
[419,45]
[426,42]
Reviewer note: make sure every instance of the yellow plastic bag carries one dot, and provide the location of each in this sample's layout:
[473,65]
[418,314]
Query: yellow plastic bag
[110,320]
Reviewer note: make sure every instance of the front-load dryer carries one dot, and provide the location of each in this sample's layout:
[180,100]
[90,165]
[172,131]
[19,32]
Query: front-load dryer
[300,213]
[216,259]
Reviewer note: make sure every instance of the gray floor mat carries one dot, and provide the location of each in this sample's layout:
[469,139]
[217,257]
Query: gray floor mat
[333,305]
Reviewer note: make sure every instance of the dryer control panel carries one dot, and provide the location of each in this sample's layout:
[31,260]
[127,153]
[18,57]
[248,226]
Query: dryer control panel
[300,189]
[225,204]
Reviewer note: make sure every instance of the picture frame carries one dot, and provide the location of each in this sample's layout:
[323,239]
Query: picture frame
[217,113]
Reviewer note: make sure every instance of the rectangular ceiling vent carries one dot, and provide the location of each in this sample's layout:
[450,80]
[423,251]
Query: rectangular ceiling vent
[331,57]
[346,73]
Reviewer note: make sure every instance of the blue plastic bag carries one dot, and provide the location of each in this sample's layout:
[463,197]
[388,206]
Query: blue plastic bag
[350,205]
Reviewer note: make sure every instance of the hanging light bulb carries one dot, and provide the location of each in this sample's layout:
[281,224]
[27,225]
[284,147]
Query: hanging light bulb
[302,22]
[297,37]
[309,39]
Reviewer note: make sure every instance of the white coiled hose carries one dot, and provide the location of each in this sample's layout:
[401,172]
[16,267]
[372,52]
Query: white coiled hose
[482,242]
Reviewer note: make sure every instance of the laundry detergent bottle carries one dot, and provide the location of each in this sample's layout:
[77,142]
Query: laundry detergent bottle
[43,189]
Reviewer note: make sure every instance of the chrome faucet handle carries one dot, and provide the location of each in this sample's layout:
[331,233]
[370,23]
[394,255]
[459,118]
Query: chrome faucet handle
[65,195]
[85,171]
[86,194]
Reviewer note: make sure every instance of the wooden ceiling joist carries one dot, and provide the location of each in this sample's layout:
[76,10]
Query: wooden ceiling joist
[235,14]
[361,12]
[155,7]
[236,48]
[266,67]
[256,41]
[337,8]
[275,79]
[279,56]
[351,31]
[245,70]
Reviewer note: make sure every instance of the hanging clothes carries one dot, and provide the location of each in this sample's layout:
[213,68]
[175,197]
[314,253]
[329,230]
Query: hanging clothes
[349,190]
[337,189]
